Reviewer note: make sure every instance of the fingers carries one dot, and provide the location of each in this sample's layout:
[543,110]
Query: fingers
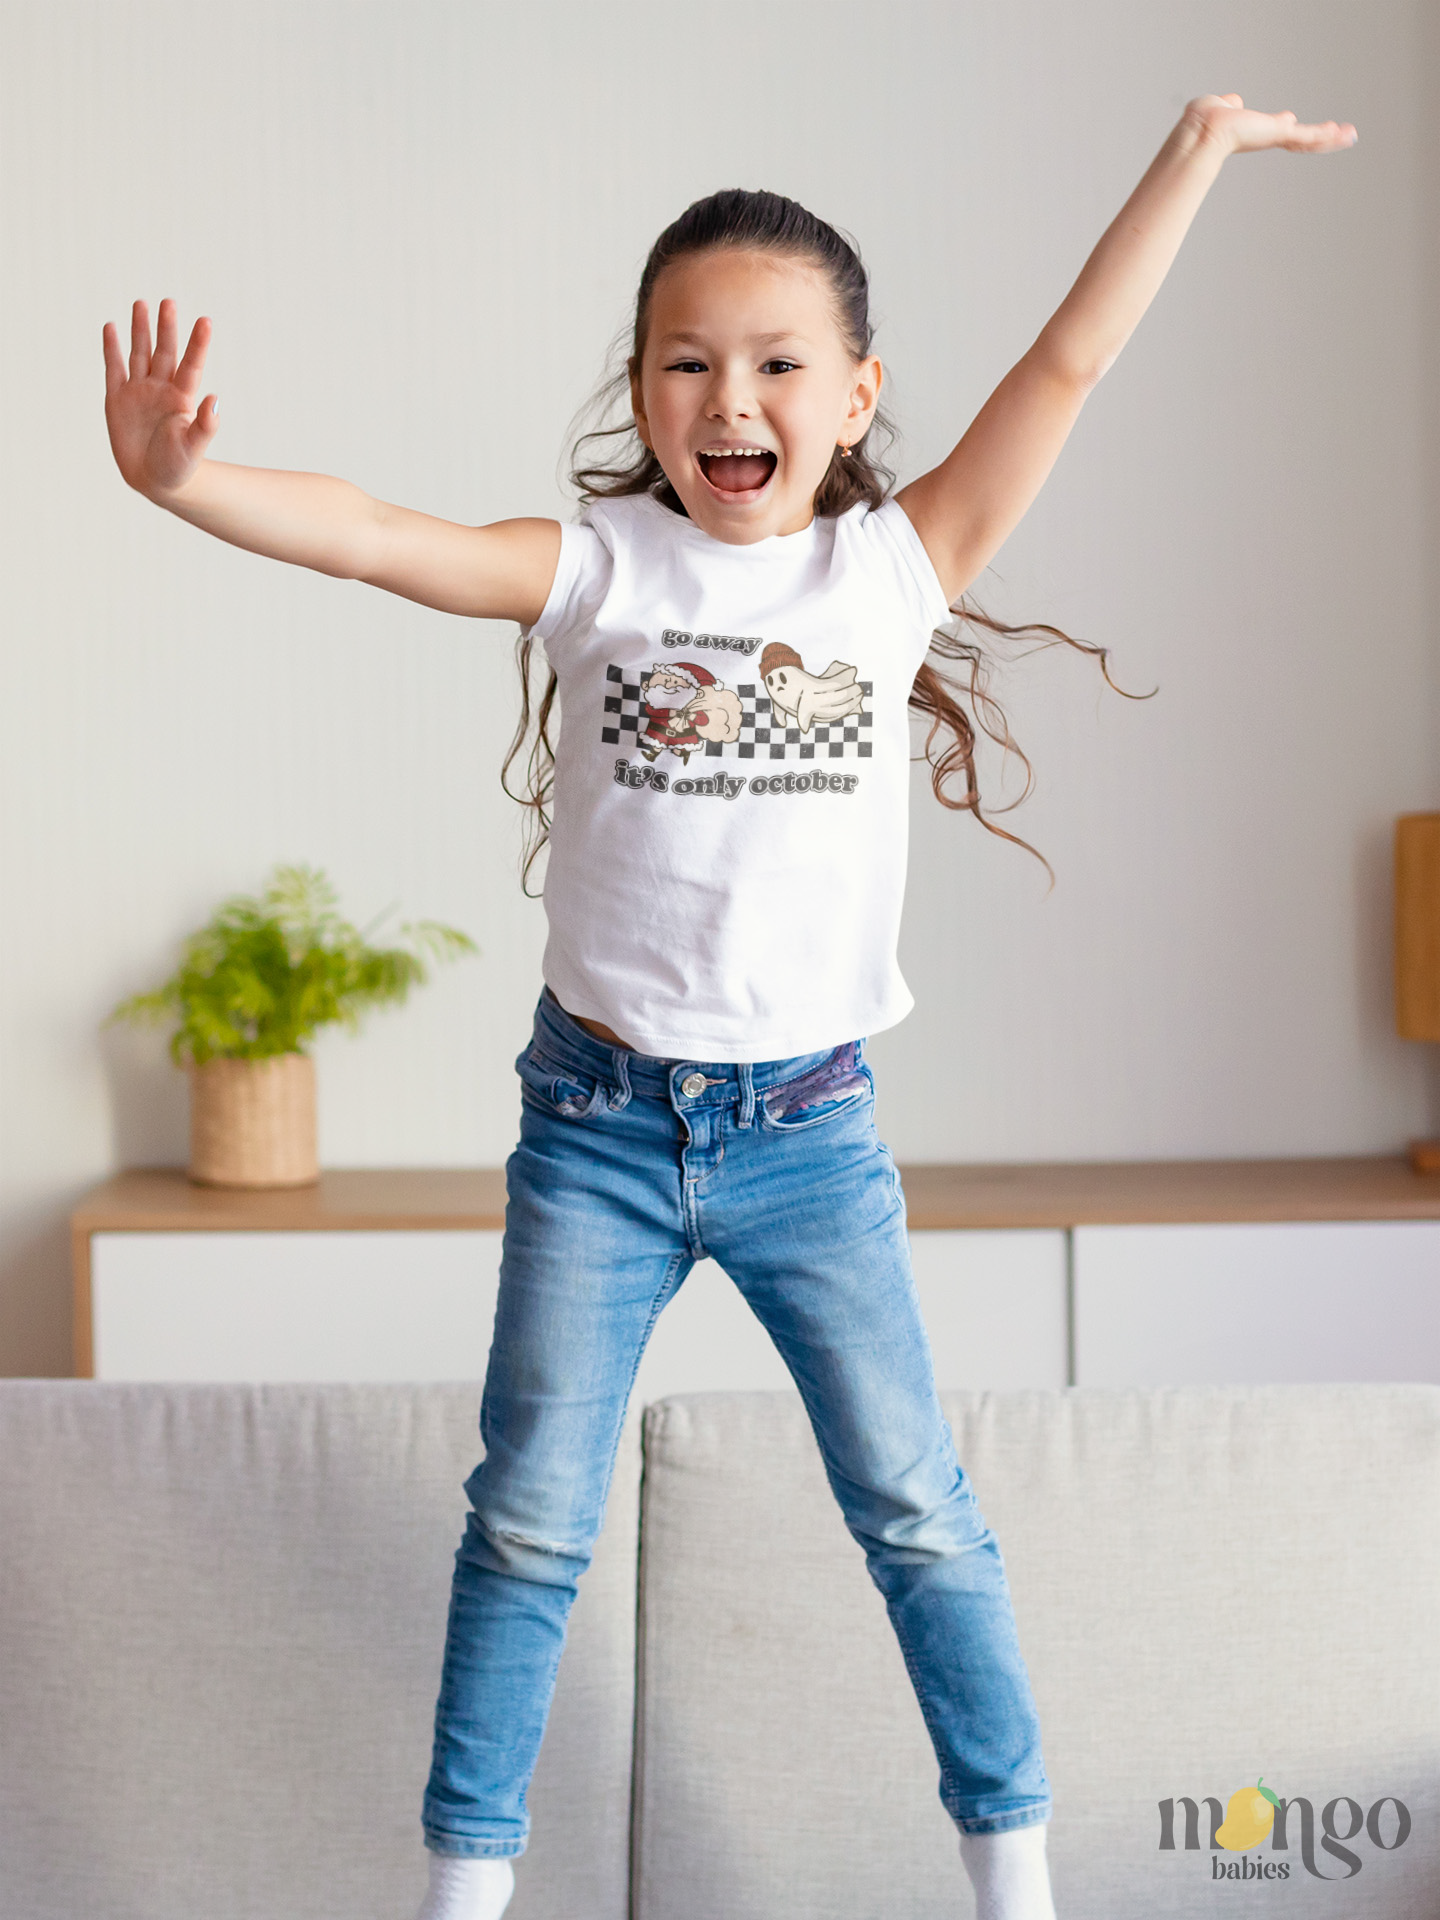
[162,361]
[1283,129]
[187,374]
[202,429]
[159,362]
[1253,130]
[1325,137]
[114,359]
[139,340]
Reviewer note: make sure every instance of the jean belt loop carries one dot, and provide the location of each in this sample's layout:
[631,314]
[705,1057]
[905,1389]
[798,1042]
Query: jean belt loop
[747,1094]
[620,1097]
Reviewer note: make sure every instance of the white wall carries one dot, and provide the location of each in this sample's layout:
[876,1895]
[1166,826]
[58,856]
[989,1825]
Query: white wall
[416,229]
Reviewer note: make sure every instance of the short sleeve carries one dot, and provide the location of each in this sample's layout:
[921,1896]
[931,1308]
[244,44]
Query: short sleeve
[582,576]
[892,527]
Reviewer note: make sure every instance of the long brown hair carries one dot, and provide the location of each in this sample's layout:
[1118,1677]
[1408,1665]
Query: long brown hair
[740,219]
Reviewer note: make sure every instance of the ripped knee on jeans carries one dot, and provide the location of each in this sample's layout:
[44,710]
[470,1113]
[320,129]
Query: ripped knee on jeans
[931,1534]
[525,1556]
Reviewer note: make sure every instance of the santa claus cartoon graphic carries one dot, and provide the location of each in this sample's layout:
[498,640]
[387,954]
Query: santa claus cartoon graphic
[684,705]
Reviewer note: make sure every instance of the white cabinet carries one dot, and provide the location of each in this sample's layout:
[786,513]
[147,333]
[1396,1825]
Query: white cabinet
[1332,1300]
[419,1305]
[398,1305]
[1306,1270]
[994,1305]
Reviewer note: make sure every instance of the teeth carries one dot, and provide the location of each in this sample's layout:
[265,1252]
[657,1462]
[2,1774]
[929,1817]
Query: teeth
[720,453]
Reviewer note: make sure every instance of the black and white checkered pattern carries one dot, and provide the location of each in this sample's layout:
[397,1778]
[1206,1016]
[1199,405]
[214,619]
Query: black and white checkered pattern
[762,737]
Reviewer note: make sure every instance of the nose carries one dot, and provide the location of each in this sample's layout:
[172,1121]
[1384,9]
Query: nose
[730,397]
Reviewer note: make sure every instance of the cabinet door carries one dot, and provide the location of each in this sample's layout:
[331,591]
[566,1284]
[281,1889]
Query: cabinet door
[994,1306]
[1229,1305]
[421,1306]
[993,1303]
[293,1306]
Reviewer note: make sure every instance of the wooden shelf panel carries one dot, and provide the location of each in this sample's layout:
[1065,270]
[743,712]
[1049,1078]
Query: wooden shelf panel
[1169,1192]
[1061,1194]
[361,1199]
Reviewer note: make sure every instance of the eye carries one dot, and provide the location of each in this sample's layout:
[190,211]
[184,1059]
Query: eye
[686,366]
[781,366]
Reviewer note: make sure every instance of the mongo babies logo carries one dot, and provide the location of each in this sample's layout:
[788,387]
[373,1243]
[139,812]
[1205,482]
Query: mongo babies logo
[1255,1814]
[1249,1816]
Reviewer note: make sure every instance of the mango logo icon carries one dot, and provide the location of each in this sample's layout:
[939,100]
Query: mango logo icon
[1249,1816]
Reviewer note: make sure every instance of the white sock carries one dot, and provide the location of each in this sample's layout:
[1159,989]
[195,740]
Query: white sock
[462,1889]
[1009,1874]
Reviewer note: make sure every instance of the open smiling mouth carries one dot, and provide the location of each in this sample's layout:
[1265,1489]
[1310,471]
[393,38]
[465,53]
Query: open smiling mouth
[740,473]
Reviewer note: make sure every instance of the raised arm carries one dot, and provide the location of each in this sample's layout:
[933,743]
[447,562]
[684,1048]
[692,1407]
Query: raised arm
[965,508]
[159,436]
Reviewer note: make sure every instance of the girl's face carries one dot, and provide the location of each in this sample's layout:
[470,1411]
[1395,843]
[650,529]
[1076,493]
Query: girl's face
[745,389]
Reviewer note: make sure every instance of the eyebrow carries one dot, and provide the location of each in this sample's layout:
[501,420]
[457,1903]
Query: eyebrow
[696,340]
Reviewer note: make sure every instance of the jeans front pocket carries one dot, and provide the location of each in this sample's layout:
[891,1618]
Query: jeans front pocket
[838,1085]
[571,1095]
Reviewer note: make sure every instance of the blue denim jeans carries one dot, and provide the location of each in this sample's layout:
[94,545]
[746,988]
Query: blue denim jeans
[630,1169]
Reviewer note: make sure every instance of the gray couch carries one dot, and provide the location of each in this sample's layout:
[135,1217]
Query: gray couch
[221,1612]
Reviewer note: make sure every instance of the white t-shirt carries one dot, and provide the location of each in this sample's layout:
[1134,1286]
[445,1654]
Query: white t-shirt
[727,860]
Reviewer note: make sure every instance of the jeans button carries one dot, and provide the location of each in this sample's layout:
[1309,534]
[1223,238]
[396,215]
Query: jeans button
[694,1084]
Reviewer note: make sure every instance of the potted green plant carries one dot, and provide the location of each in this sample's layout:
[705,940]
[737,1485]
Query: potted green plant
[253,985]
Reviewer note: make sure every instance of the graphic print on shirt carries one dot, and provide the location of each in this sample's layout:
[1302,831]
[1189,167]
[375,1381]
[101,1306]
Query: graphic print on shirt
[680,707]
[683,706]
[807,697]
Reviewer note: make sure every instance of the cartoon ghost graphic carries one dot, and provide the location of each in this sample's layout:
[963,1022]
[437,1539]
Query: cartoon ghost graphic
[807,697]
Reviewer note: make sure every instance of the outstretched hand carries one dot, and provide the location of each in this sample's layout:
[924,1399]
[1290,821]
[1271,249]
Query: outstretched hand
[1241,129]
[157,432]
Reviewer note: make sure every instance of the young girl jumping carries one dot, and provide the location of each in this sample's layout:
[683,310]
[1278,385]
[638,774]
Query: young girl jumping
[738,626]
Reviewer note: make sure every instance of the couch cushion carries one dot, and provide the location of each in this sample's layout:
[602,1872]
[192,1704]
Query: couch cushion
[222,1611]
[1211,1584]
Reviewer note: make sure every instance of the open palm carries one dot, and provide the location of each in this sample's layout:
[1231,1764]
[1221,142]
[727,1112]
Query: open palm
[1247,131]
[157,432]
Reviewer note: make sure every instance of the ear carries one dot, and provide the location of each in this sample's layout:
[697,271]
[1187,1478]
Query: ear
[637,402]
[864,398]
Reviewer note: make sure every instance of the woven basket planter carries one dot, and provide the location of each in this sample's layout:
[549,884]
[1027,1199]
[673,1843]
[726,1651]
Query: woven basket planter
[252,1122]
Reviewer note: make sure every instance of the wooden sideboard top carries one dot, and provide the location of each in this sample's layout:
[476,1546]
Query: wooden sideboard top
[1059,1194]
[356,1199]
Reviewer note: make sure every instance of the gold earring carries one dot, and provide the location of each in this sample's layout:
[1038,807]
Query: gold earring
[845,453]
